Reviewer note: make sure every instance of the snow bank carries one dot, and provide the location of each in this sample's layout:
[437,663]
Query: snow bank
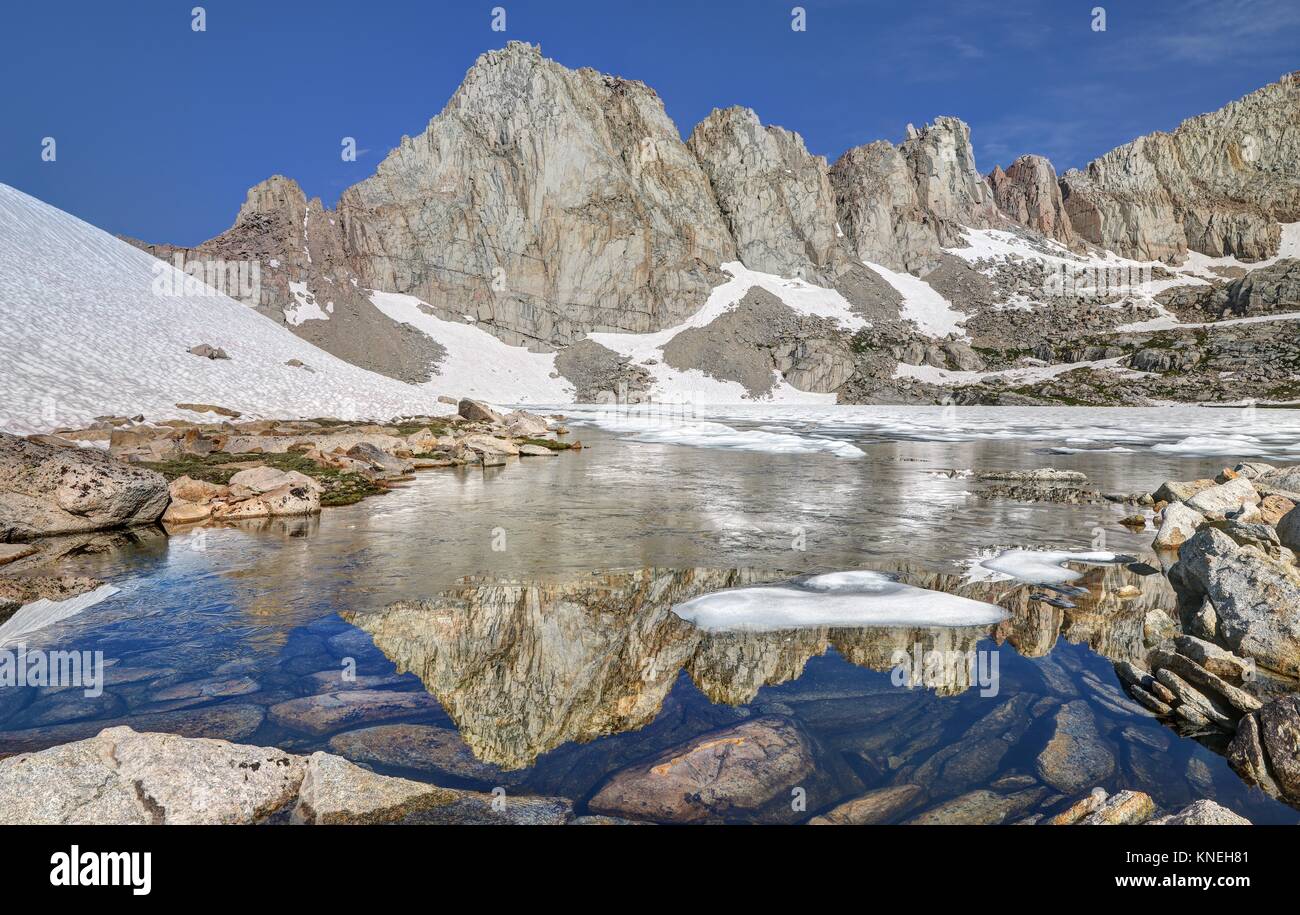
[923,305]
[478,364]
[83,332]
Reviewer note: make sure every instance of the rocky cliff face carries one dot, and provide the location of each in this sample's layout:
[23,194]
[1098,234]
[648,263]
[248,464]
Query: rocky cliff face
[899,206]
[1029,193]
[1218,184]
[879,211]
[948,185]
[545,202]
[775,196]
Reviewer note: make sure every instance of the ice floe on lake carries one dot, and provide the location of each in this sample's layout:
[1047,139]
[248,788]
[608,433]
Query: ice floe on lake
[1037,567]
[839,599]
[707,434]
[1177,430]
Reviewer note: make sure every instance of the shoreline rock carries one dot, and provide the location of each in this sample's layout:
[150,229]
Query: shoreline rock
[123,777]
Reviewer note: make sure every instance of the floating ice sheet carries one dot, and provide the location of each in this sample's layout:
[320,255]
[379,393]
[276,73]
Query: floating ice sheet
[839,599]
[1037,567]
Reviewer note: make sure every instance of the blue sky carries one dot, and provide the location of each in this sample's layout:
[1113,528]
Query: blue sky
[161,130]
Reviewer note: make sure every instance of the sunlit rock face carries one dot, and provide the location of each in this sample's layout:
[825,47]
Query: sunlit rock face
[545,202]
[775,196]
[1029,192]
[899,206]
[1218,184]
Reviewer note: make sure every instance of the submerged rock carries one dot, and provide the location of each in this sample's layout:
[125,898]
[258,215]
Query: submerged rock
[737,773]
[1123,808]
[328,712]
[883,805]
[419,748]
[1075,756]
[336,792]
[980,808]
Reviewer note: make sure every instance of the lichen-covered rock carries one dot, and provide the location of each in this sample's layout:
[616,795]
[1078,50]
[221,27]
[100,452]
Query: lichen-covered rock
[1201,813]
[121,777]
[1256,598]
[46,489]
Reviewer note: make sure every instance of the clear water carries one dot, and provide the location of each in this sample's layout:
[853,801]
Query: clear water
[548,584]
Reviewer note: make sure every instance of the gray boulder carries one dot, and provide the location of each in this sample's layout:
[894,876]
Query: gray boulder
[121,777]
[1288,530]
[1224,497]
[1201,813]
[478,411]
[1256,598]
[1178,524]
[51,490]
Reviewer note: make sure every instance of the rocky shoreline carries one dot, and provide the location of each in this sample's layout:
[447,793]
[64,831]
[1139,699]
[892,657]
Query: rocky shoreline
[123,473]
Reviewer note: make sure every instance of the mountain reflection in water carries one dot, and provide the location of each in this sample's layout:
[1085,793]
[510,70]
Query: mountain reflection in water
[523,667]
[564,682]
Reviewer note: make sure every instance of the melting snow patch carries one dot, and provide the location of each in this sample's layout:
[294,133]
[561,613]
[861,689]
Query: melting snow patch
[1228,444]
[478,364]
[305,307]
[1036,567]
[704,434]
[694,385]
[839,599]
[42,613]
[930,311]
